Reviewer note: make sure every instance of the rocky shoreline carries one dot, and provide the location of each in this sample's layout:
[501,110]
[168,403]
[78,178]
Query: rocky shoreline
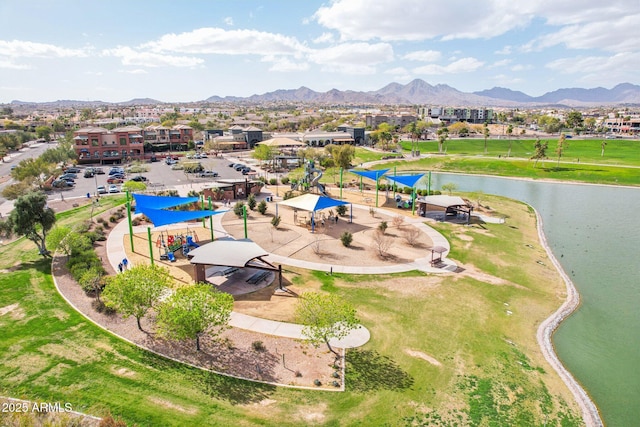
[590,413]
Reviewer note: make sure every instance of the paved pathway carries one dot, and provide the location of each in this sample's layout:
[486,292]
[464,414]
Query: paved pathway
[116,253]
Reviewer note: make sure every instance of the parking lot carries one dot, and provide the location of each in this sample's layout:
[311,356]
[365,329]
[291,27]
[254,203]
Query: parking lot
[159,176]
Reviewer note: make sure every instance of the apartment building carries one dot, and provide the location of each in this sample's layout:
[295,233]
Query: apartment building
[103,146]
[452,115]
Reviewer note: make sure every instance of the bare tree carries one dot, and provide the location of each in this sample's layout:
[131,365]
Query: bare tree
[381,243]
[411,235]
[398,221]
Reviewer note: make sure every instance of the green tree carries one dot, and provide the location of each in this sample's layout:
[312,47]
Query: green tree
[58,238]
[602,147]
[485,133]
[192,311]
[562,145]
[443,134]
[540,151]
[449,187]
[32,219]
[574,119]
[44,132]
[325,317]
[136,290]
[133,186]
[509,133]
[33,171]
[263,153]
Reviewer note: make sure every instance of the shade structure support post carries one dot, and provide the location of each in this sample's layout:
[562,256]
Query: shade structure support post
[429,184]
[340,183]
[150,245]
[280,276]
[351,213]
[244,214]
[394,182]
[413,201]
[130,224]
[211,220]
[202,208]
[377,181]
[361,184]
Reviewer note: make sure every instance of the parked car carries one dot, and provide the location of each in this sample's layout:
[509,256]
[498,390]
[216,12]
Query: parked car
[73,169]
[239,167]
[247,171]
[139,178]
[115,171]
[232,165]
[170,161]
[68,175]
[117,175]
[61,183]
[89,173]
[113,180]
[98,171]
[113,189]
[101,189]
[208,174]
[203,155]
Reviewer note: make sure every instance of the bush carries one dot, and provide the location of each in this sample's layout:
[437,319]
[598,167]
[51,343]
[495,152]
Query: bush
[288,195]
[237,209]
[407,190]
[113,219]
[285,180]
[251,201]
[258,346]
[342,209]
[346,238]
[273,181]
[262,207]
[275,221]
[383,226]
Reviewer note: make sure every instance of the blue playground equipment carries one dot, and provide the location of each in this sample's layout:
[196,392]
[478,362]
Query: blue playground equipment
[191,243]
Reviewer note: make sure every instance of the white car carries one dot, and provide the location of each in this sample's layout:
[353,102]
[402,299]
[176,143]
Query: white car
[101,189]
[113,189]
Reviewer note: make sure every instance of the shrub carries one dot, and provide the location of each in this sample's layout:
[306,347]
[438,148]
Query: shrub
[383,226]
[258,346]
[237,209]
[262,207]
[287,195]
[113,219]
[251,201]
[407,190]
[273,181]
[285,180]
[398,221]
[342,209]
[346,238]
[135,222]
[275,221]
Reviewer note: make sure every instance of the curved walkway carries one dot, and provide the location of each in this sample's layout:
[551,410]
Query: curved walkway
[358,337]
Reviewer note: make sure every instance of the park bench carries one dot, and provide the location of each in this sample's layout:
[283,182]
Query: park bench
[257,277]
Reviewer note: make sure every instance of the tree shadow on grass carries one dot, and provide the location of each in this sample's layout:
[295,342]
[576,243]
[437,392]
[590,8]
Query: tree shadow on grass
[368,370]
[565,169]
[233,390]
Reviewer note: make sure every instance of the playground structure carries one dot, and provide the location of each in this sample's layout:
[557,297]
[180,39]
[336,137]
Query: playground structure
[176,242]
[310,179]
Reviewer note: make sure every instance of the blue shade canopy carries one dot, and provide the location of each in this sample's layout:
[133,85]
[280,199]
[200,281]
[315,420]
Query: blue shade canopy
[312,202]
[374,175]
[144,201]
[161,217]
[406,180]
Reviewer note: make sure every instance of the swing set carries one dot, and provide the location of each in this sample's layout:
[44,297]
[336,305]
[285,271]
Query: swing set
[176,242]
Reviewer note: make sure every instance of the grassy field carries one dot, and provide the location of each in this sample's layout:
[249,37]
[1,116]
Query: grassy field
[445,350]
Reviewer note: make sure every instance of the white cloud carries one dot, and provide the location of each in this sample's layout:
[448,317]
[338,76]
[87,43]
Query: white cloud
[504,51]
[229,42]
[135,71]
[501,63]
[600,70]
[285,64]
[228,21]
[10,65]
[463,65]
[423,56]
[130,56]
[352,58]
[521,67]
[324,38]
[26,49]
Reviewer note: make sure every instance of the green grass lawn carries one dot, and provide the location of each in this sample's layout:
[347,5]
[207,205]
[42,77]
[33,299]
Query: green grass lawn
[491,371]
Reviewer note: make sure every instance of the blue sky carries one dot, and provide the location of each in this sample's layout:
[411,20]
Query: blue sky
[180,51]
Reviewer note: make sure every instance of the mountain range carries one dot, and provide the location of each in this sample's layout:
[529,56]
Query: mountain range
[416,92]
[420,92]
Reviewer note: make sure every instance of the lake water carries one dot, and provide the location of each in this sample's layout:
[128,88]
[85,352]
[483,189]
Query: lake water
[594,233]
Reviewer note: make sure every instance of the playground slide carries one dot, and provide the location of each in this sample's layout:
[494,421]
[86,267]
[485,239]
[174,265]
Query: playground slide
[191,243]
[321,190]
[316,180]
[171,257]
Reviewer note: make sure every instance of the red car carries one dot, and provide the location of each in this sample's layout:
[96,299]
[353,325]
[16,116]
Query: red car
[113,180]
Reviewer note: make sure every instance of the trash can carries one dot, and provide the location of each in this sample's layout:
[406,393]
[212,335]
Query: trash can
[269,198]
[88,195]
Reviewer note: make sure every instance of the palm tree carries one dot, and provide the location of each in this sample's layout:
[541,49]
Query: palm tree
[485,132]
[509,132]
[443,134]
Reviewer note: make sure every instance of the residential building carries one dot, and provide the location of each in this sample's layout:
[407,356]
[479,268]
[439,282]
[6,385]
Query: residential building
[99,145]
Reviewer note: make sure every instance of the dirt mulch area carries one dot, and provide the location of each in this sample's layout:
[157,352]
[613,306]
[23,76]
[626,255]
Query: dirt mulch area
[283,361]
